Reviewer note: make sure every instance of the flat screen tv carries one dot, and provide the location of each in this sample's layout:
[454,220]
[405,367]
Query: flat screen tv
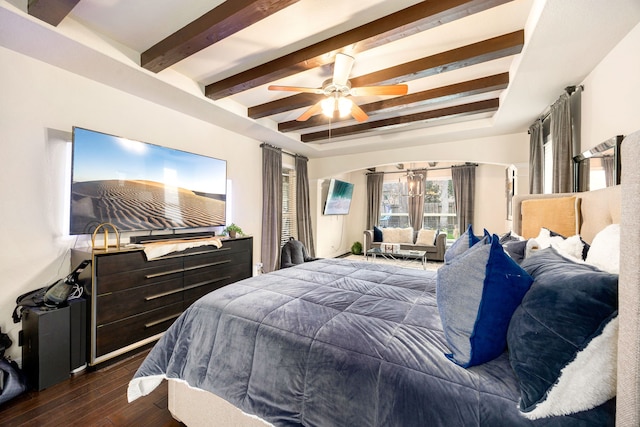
[140,186]
[338,198]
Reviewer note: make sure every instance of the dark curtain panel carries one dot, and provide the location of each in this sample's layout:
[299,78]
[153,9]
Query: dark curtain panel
[609,166]
[271,206]
[303,209]
[583,168]
[464,188]
[536,159]
[415,186]
[562,145]
[374,198]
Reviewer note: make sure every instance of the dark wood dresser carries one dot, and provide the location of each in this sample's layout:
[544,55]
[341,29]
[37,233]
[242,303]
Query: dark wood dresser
[133,300]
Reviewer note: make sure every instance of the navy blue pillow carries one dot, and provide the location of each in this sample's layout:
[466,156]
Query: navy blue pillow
[562,337]
[377,234]
[476,294]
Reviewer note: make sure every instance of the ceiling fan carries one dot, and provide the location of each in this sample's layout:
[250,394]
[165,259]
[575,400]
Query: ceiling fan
[337,90]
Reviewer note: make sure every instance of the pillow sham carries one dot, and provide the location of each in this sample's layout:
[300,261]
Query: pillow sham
[426,237]
[476,295]
[604,252]
[516,249]
[377,234]
[562,338]
[462,243]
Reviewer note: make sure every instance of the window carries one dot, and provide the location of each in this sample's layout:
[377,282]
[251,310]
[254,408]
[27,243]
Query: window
[394,208]
[289,223]
[439,203]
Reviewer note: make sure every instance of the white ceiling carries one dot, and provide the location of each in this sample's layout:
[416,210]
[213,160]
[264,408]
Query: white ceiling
[103,40]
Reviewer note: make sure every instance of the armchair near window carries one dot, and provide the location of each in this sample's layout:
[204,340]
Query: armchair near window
[293,253]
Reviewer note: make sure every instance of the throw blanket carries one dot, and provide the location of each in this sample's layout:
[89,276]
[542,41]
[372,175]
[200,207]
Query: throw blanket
[157,249]
[335,342]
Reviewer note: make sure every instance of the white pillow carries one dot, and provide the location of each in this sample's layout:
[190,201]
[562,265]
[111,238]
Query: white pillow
[397,235]
[604,252]
[571,247]
[390,235]
[426,237]
[405,235]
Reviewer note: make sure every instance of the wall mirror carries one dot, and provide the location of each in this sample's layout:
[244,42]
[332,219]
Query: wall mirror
[598,167]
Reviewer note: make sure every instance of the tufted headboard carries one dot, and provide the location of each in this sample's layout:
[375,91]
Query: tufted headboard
[594,211]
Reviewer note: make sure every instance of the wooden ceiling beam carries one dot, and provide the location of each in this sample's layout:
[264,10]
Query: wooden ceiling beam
[412,20]
[418,99]
[51,11]
[221,22]
[476,53]
[456,111]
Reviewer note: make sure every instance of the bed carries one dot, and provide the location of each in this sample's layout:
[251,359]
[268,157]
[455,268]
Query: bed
[337,342]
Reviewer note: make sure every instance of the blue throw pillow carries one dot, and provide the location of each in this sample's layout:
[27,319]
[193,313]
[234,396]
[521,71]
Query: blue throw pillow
[462,243]
[377,234]
[562,338]
[477,293]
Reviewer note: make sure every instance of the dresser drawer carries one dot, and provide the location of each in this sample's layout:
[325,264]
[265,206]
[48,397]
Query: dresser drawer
[198,283]
[113,336]
[114,306]
[118,262]
[142,277]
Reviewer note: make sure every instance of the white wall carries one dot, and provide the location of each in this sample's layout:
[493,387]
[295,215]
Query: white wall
[336,233]
[611,97]
[39,105]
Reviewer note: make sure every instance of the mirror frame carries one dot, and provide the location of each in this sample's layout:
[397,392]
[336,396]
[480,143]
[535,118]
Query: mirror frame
[614,143]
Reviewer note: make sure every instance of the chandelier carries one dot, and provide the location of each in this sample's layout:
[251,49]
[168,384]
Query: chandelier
[415,184]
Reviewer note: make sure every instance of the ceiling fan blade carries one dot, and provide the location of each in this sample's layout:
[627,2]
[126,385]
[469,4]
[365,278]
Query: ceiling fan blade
[358,113]
[379,90]
[297,89]
[342,68]
[311,111]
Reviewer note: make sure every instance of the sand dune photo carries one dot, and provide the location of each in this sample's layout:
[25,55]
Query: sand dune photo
[141,205]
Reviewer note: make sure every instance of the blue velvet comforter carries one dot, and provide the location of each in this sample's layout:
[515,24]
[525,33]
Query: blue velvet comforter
[338,343]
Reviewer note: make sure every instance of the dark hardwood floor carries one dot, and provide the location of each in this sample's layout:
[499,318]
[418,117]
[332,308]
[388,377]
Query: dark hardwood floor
[91,398]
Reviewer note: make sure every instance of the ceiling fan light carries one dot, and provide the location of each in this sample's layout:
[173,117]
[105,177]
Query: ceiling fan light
[328,106]
[344,106]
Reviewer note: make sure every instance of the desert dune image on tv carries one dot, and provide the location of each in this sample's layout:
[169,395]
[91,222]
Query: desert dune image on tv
[140,186]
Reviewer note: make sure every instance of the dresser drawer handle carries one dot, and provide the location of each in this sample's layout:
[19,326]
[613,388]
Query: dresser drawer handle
[159,321]
[207,282]
[163,294]
[164,273]
[211,264]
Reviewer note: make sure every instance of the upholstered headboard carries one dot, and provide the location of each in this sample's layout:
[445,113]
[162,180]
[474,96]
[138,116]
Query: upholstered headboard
[595,210]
